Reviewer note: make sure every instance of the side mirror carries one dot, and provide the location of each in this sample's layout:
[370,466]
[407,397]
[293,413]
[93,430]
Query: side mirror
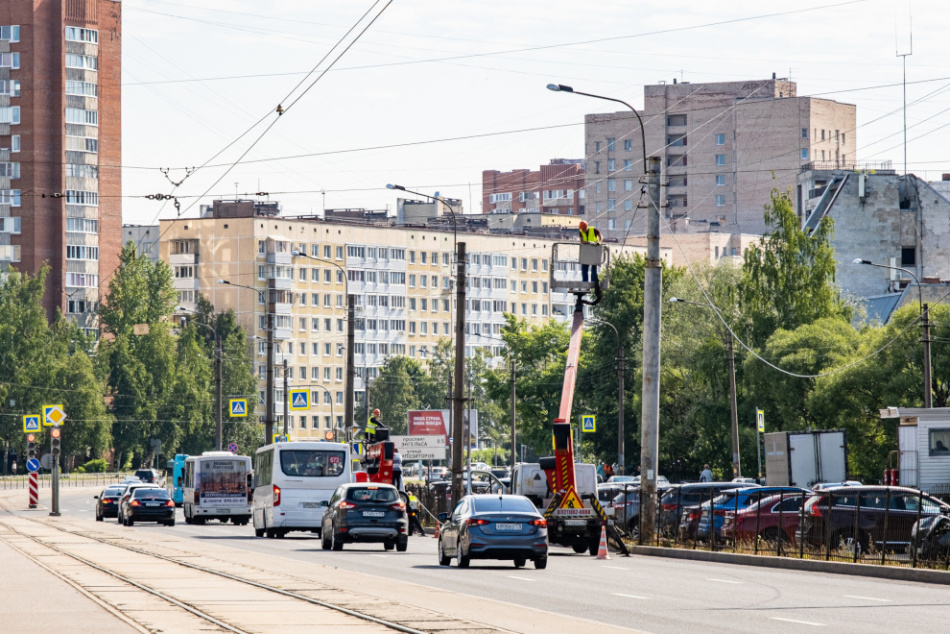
[443,517]
[95,497]
[324,503]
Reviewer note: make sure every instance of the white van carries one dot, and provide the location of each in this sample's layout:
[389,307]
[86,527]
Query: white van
[293,481]
[216,486]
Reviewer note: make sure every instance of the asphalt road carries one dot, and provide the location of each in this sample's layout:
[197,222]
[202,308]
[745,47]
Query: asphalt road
[646,593]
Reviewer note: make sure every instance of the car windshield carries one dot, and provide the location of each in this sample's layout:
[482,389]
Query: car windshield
[113,492]
[152,494]
[493,504]
[312,463]
[372,494]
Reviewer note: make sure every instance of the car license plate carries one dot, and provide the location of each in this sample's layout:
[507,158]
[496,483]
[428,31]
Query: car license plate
[507,526]
[310,505]
[152,503]
[373,514]
[575,522]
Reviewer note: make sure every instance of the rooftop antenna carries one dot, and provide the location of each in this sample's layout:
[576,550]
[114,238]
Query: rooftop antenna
[235,190]
[903,56]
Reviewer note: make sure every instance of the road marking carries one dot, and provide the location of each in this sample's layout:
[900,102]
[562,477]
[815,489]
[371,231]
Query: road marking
[778,618]
[854,596]
[616,568]
[628,596]
[520,578]
[724,581]
[383,556]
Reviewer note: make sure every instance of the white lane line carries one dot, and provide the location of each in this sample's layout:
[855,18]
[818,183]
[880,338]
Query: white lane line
[383,556]
[778,618]
[724,581]
[616,568]
[855,596]
[628,596]
[519,578]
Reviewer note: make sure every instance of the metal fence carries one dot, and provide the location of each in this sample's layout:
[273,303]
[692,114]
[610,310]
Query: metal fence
[65,480]
[857,526]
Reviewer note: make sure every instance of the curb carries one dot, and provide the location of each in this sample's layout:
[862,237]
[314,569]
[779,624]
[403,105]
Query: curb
[810,565]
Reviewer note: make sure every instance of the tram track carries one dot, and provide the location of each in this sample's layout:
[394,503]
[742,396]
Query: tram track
[424,621]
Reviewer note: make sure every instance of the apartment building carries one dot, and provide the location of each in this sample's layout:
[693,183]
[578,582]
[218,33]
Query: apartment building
[557,187]
[60,147]
[722,147]
[402,279]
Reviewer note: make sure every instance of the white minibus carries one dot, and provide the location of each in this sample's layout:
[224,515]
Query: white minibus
[293,481]
[216,486]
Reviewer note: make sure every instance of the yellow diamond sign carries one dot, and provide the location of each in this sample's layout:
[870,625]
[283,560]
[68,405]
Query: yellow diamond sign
[53,415]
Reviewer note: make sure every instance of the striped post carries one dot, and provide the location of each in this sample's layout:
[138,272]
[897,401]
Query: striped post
[34,489]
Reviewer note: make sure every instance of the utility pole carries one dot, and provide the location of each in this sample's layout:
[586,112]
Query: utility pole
[269,374]
[652,289]
[621,456]
[514,450]
[925,325]
[219,425]
[458,399]
[286,399]
[350,365]
[730,345]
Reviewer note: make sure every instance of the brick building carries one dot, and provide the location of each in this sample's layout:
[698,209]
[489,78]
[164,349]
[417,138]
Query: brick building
[557,187]
[722,148]
[60,147]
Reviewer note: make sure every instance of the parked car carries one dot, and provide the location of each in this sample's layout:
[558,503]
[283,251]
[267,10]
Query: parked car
[823,486]
[107,502]
[680,497]
[127,495]
[854,517]
[726,504]
[365,513]
[148,504]
[494,527]
[932,538]
[774,517]
[661,481]
[151,476]
[626,505]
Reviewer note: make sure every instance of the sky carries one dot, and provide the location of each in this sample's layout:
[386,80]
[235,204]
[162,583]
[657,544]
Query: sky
[430,93]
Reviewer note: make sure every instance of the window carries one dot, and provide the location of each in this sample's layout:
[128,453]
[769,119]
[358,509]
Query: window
[597,146]
[804,133]
[720,159]
[82,280]
[627,165]
[82,117]
[76,252]
[720,200]
[804,153]
[597,167]
[81,144]
[676,140]
[628,145]
[84,62]
[908,256]
[10,33]
[611,185]
[10,197]
[822,135]
[720,139]
[15,143]
[611,165]
[720,180]
[611,204]
[611,224]
[12,60]
[9,170]
[842,138]
[75,197]
[676,119]
[940,442]
[10,114]
[76,34]
[10,87]
[611,144]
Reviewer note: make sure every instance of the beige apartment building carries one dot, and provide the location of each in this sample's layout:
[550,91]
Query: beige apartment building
[722,148]
[402,279]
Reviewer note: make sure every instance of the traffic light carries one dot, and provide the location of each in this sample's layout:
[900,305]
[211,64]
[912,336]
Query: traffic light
[30,446]
[55,436]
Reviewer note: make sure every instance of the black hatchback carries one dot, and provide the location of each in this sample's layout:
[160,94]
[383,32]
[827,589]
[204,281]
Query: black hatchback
[365,513]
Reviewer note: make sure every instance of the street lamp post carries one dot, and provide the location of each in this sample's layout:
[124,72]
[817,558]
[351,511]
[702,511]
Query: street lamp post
[924,324]
[730,348]
[621,458]
[652,291]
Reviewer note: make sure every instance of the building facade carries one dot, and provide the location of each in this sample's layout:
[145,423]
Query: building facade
[557,187]
[60,147]
[722,147]
[145,239]
[402,279]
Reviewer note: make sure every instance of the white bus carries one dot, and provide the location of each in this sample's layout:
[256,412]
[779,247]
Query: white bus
[216,485]
[293,481]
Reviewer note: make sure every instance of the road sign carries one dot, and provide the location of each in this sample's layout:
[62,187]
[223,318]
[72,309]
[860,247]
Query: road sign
[53,415]
[299,399]
[760,420]
[420,447]
[232,447]
[588,423]
[31,422]
[238,406]
[46,461]
[329,435]
[32,465]
[281,438]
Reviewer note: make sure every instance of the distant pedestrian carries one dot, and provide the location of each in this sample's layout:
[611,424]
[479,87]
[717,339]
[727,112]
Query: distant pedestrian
[397,469]
[706,475]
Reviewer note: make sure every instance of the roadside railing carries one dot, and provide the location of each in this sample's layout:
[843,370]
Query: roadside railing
[65,480]
[869,527]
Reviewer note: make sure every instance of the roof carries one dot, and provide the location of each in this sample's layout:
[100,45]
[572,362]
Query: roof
[881,307]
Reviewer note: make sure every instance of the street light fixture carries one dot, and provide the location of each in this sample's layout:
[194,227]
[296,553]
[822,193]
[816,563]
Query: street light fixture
[924,324]
[736,462]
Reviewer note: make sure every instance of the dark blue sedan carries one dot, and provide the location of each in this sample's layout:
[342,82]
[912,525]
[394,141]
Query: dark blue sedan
[494,527]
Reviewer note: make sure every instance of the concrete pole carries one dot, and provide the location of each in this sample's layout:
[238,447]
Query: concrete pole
[458,400]
[286,399]
[652,292]
[736,466]
[928,385]
[621,457]
[269,376]
[350,365]
[514,446]
[219,424]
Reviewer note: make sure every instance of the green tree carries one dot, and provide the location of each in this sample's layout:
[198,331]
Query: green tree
[393,391]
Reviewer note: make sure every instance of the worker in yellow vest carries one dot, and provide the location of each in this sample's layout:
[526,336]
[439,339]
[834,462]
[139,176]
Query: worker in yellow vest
[370,432]
[590,235]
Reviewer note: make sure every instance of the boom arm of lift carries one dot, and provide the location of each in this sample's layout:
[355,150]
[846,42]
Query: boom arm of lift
[564,474]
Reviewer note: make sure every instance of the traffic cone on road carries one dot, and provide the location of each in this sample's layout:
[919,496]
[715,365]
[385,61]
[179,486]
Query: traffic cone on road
[602,551]
[437,527]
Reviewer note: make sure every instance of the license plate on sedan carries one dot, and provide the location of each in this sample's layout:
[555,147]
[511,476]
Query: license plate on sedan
[373,514]
[507,526]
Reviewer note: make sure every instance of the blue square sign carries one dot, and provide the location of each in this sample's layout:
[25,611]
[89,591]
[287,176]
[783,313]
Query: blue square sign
[588,423]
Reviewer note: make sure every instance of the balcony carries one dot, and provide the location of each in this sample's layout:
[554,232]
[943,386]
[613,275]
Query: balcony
[284,259]
[182,258]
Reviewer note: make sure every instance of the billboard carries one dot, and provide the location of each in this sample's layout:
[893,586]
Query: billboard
[420,447]
[437,422]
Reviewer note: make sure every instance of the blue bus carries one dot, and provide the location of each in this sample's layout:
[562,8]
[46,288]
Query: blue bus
[177,468]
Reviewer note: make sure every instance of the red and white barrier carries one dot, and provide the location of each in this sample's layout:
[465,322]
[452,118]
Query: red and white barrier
[34,489]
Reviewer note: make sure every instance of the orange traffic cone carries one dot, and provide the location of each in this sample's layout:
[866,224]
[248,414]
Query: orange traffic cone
[437,527]
[602,551]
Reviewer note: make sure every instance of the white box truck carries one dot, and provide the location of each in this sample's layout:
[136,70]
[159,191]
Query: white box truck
[805,458]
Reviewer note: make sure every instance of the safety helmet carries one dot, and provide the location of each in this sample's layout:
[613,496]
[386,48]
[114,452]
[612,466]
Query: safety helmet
[583,226]
[375,412]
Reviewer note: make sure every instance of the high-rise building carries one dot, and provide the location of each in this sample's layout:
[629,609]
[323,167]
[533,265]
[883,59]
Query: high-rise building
[557,187]
[723,147]
[61,147]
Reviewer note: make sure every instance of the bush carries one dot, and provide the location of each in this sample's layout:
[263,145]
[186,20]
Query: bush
[99,465]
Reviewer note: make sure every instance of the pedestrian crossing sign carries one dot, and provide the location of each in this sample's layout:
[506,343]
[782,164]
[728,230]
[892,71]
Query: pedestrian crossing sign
[238,406]
[31,423]
[299,399]
[588,423]
[760,421]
